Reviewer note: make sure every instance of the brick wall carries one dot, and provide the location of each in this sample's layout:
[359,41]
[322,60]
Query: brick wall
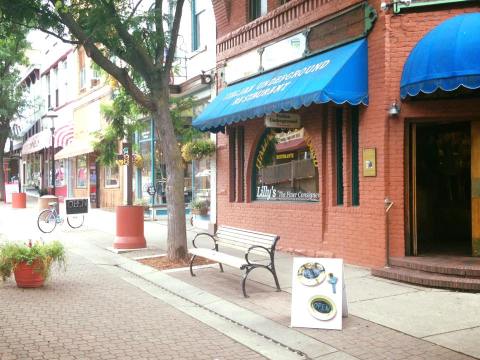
[358,234]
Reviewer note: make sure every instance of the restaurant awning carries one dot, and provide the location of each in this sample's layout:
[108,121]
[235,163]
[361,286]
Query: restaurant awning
[339,75]
[446,58]
[75,148]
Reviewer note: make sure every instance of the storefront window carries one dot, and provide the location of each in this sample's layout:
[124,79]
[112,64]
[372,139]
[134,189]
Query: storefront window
[32,173]
[286,167]
[81,166]
[60,173]
[112,177]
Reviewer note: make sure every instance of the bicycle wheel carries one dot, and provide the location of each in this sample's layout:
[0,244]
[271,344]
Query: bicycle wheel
[46,221]
[75,221]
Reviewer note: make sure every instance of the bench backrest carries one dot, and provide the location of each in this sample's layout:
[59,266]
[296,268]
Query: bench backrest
[242,239]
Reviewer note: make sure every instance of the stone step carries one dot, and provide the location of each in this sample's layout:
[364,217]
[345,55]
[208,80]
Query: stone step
[428,279]
[458,266]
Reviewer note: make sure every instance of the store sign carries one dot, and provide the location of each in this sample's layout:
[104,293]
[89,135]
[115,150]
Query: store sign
[285,156]
[270,193]
[283,51]
[318,293]
[37,142]
[283,120]
[76,206]
[242,66]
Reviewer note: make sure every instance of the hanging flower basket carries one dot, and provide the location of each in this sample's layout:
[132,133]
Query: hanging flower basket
[198,149]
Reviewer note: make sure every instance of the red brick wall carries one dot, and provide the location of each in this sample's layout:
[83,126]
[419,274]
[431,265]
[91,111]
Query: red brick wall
[404,31]
[358,234]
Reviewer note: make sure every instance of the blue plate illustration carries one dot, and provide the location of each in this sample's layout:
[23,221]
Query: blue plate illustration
[322,308]
[311,274]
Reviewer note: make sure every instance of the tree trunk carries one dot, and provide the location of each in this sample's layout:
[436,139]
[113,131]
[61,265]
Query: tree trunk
[3,140]
[177,231]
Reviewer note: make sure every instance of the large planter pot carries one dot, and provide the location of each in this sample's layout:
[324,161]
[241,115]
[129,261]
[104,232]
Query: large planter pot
[19,200]
[29,276]
[130,234]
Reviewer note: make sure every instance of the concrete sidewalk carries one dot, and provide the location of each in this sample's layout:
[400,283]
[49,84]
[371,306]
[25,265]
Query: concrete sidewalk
[387,320]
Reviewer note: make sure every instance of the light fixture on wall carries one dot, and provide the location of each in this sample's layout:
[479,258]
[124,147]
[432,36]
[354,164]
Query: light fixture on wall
[394,109]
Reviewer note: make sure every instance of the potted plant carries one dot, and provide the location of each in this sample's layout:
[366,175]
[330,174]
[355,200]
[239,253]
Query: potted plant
[198,149]
[30,263]
[200,207]
[143,203]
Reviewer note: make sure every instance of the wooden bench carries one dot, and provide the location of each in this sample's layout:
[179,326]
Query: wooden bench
[251,243]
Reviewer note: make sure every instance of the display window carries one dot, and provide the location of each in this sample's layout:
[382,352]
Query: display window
[285,167]
[81,171]
[112,176]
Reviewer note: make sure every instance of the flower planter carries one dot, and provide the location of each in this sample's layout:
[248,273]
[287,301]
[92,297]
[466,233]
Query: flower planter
[201,212]
[19,200]
[29,276]
[130,233]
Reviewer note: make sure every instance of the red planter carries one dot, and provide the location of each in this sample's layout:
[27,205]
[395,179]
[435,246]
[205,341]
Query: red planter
[19,200]
[130,234]
[28,276]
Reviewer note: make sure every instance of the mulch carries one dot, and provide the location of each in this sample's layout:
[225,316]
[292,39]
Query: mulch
[162,262]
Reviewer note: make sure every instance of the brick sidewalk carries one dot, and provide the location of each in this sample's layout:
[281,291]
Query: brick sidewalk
[359,338]
[89,313]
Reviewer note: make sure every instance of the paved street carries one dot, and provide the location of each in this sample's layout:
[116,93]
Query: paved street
[107,306]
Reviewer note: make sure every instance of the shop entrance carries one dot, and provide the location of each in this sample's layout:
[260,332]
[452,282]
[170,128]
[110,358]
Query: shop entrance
[441,183]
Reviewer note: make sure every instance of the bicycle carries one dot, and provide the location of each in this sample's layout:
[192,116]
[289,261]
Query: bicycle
[49,218]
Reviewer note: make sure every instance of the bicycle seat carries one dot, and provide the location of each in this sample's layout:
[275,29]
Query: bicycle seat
[52,203]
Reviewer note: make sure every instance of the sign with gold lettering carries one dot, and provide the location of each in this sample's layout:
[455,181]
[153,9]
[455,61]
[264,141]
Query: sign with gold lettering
[283,120]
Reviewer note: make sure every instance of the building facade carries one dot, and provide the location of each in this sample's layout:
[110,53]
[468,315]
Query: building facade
[338,174]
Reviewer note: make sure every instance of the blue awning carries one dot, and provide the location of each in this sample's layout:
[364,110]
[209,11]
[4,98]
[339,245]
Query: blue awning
[338,75]
[446,58]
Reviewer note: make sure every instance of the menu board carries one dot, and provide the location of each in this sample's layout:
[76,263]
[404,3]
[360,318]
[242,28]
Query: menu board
[76,206]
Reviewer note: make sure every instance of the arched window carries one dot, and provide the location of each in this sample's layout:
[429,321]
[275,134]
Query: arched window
[285,167]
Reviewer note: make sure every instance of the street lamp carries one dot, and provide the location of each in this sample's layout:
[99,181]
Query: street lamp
[52,115]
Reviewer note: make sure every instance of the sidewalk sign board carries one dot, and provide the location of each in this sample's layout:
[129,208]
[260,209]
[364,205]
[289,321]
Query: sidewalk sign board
[76,206]
[9,190]
[318,293]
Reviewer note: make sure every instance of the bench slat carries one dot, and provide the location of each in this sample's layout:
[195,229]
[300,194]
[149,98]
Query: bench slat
[253,233]
[245,242]
[250,234]
[223,258]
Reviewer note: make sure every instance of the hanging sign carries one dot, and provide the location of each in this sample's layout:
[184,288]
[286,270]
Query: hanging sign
[282,120]
[318,293]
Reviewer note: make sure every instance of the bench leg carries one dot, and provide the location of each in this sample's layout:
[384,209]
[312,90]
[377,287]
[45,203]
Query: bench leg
[274,273]
[221,267]
[191,264]
[247,271]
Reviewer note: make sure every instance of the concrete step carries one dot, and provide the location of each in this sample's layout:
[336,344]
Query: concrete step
[449,265]
[428,278]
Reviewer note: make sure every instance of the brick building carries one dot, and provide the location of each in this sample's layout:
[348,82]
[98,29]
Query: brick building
[345,159]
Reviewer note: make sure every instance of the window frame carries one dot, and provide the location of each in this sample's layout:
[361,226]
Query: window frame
[105,177]
[256,10]
[313,157]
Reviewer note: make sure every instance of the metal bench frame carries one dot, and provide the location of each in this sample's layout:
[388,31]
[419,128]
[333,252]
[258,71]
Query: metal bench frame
[249,265]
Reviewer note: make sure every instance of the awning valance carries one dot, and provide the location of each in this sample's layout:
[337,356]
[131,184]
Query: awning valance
[37,142]
[446,58]
[75,148]
[339,75]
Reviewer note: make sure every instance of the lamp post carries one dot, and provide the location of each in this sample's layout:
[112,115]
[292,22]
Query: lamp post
[52,115]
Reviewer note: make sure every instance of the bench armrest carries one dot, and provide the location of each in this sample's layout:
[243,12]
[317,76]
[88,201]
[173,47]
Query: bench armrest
[208,235]
[268,252]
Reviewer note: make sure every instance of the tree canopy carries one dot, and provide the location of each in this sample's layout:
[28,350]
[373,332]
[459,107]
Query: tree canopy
[134,41]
